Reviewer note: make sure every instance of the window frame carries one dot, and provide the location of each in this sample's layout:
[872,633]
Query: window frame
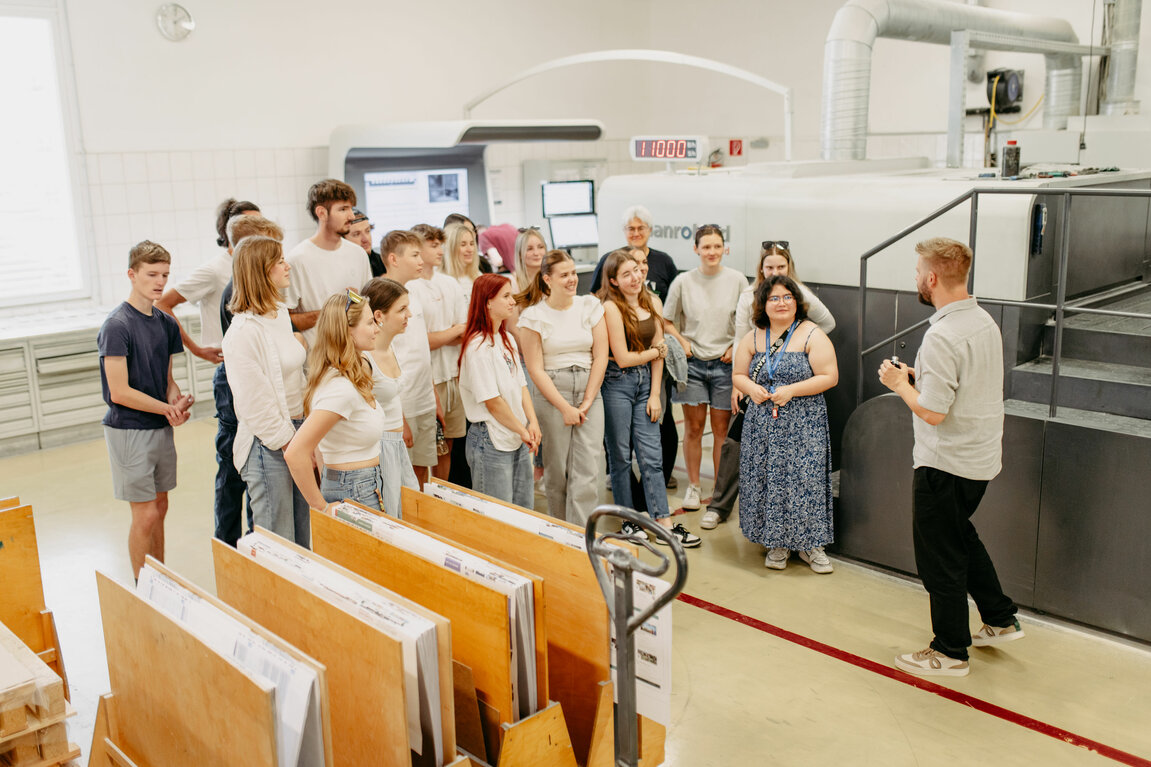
[55,13]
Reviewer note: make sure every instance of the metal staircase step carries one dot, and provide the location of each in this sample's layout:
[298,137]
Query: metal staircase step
[1107,387]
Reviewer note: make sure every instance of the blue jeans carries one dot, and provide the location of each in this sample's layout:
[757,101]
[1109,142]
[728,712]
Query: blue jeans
[364,486]
[626,426]
[503,474]
[229,506]
[273,498]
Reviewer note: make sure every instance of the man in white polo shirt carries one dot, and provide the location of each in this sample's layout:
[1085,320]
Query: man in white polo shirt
[325,263]
[955,392]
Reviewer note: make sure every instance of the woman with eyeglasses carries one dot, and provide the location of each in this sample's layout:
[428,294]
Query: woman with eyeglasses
[631,391]
[389,303]
[503,431]
[343,419]
[774,259]
[565,346]
[267,384]
[783,366]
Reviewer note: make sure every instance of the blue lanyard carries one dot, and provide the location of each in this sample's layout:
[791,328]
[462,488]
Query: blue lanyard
[773,359]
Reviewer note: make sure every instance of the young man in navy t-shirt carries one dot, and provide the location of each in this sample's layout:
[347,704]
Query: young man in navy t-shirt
[136,345]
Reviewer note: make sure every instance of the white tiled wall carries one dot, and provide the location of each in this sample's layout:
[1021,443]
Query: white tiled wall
[171,198]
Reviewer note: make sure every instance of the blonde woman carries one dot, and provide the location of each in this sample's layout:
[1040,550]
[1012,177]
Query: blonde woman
[460,259]
[530,252]
[267,382]
[343,419]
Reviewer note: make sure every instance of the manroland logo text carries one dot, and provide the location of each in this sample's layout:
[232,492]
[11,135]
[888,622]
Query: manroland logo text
[683,232]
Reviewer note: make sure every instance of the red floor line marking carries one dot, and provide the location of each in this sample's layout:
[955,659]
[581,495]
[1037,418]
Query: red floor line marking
[923,684]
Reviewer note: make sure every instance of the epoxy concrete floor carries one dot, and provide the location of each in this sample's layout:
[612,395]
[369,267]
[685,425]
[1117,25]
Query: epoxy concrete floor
[770,667]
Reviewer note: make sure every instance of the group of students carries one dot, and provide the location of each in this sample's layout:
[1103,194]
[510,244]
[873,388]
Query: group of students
[347,373]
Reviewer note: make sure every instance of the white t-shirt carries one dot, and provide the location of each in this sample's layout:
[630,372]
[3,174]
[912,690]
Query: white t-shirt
[465,284]
[444,306]
[490,370]
[703,308]
[387,391]
[566,335]
[318,274]
[356,436]
[414,355]
[205,285]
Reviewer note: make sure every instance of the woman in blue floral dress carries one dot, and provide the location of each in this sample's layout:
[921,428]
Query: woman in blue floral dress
[783,366]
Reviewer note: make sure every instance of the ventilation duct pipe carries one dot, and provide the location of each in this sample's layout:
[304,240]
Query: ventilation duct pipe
[1120,83]
[847,60]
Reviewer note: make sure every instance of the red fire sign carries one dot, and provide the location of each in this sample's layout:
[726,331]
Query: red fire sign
[735,147]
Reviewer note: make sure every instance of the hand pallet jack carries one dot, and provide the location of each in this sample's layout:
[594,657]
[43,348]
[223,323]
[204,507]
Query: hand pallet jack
[617,590]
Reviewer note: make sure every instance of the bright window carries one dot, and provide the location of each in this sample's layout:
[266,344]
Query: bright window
[40,248]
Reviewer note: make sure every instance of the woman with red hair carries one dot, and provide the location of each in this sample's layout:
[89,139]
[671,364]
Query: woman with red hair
[503,430]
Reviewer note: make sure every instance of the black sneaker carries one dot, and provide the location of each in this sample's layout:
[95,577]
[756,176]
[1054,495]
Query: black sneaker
[632,530]
[686,539]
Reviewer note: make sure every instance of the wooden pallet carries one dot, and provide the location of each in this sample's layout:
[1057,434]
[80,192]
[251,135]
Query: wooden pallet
[32,708]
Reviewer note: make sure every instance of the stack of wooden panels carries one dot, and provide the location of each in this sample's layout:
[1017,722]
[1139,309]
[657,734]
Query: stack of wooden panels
[32,709]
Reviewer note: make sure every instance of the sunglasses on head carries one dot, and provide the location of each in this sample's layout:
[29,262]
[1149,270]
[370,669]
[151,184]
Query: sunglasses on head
[353,298]
[769,244]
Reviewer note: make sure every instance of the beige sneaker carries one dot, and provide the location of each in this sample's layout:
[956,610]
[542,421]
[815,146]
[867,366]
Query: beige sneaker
[710,520]
[930,662]
[993,635]
[817,559]
[776,558]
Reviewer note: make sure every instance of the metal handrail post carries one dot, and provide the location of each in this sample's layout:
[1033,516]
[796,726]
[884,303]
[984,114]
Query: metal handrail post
[859,330]
[1060,299]
[971,240]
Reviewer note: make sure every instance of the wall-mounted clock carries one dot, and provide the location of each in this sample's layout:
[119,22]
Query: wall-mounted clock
[174,21]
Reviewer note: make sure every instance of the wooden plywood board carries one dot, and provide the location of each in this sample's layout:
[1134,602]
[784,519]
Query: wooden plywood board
[364,666]
[277,641]
[478,613]
[538,598]
[20,573]
[576,616]
[177,701]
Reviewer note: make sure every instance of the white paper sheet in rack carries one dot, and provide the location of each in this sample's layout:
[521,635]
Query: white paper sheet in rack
[652,640]
[416,634]
[299,735]
[517,588]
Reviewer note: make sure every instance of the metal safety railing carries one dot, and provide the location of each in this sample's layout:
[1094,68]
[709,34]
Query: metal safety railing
[1060,307]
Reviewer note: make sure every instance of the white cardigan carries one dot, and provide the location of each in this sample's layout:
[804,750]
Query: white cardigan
[257,387]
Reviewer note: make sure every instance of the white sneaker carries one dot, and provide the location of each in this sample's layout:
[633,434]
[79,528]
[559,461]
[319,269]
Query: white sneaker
[710,520]
[930,662]
[776,559]
[691,498]
[989,636]
[817,559]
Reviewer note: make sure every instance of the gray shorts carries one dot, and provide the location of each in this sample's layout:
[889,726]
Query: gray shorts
[423,449]
[143,462]
[708,383]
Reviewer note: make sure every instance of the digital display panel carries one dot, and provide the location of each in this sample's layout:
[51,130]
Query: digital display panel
[402,199]
[568,198]
[667,148]
[574,231]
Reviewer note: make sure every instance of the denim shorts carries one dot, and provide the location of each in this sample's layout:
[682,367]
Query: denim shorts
[708,383]
[364,486]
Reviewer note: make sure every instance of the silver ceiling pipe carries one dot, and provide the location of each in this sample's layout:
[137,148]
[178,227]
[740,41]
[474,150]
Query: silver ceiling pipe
[847,60]
[1120,83]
